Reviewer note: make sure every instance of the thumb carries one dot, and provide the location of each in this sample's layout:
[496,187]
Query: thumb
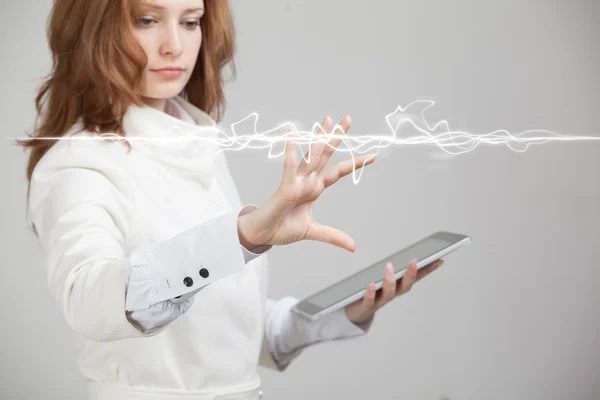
[327,234]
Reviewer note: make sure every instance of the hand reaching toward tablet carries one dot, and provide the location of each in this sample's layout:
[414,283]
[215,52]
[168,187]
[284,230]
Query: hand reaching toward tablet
[362,310]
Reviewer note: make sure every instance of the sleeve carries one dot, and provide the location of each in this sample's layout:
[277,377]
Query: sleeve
[141,287]
[184,264]
[80,220]
[288,334]
[80,206]
[219,233]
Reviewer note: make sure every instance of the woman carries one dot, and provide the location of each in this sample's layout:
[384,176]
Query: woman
[157,265]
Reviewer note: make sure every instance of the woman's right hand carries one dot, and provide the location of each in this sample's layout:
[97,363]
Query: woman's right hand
[286,217]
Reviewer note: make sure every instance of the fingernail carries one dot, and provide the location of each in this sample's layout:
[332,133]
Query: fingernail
[389,269]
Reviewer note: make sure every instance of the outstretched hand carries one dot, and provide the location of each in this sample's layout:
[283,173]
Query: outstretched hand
[287,216]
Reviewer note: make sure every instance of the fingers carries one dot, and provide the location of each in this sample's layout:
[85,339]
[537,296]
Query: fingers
[388,291]
[330,235]
[409,278]
[316,150]
[373,300]
[336,172]
[368,302]
[320,151]
[412,275]
[342,129]
[290,162]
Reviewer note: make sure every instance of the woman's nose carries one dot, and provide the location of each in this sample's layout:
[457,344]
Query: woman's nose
[171,44]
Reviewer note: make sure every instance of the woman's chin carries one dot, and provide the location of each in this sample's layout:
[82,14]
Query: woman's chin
[164,90]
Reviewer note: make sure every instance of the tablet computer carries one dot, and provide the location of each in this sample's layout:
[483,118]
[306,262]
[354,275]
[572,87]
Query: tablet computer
[352,288]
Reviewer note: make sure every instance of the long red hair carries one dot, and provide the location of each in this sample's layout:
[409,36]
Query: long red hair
[97,65]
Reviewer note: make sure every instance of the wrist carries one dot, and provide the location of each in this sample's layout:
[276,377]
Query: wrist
[256,226]
[244,236]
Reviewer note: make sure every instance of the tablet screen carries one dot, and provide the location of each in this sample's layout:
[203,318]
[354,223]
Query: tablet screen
[359,281]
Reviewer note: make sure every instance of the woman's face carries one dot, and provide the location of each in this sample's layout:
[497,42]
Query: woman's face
[169,32]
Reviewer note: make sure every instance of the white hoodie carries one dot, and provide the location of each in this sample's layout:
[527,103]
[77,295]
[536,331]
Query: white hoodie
[170,209]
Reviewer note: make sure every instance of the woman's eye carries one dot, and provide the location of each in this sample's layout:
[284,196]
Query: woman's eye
[145,21]
[192,24]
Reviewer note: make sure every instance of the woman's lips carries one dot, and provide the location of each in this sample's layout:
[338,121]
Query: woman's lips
[169,72]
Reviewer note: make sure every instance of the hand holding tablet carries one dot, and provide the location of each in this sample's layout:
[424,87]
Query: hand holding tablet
[358,291]
[362,310]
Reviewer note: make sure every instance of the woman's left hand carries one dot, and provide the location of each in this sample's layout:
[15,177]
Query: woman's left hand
[364,309]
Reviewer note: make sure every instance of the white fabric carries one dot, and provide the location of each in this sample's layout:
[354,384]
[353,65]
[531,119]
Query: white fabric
[110,219]
[174,267]
[144,307]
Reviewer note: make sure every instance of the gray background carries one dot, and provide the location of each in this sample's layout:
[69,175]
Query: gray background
[512,316]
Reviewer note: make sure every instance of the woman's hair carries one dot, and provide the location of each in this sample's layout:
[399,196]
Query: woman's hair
[97,65]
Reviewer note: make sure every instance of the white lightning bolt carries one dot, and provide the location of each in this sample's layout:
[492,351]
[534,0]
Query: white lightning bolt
[411,117]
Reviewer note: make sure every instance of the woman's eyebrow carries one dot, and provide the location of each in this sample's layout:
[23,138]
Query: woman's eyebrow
[158,7]
[189,10]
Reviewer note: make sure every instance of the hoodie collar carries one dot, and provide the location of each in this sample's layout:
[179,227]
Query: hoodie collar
[189,147]
[149,121]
